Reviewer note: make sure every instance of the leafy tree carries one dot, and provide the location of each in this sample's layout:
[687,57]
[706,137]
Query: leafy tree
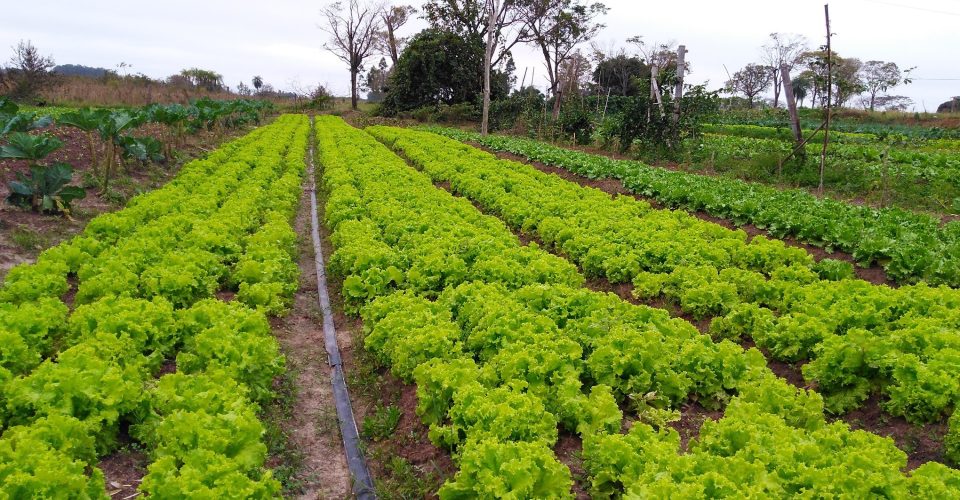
[782,50]
[376,81]
[257,83]
[464,17]
[750,81]
[878,77]
[619,74]
[505,28]
[802,86]
[353,32]
[243,90]
[846,77]
[205,79]
[438,67]
[29,72]
[557,27]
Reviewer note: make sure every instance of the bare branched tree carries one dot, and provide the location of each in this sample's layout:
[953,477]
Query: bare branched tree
[782,50]
[353,30]
[393,18]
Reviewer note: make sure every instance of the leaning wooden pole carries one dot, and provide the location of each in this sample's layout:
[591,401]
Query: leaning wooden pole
[826,127]
[791,103]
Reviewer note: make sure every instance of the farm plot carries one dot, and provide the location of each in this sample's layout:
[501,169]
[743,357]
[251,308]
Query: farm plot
[88,328]
[861,339]
[910,246]
[505,346]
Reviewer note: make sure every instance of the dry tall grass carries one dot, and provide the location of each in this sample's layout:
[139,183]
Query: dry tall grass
[82,91]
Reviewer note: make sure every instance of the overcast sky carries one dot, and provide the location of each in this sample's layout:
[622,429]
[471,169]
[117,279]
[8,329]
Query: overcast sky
[280,39]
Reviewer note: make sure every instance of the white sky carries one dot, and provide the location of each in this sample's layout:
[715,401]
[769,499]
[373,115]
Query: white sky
[280,39]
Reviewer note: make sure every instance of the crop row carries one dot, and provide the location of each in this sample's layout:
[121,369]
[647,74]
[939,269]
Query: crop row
[783,133]
[910,246]
[862,338]
[504,345]
[145,279]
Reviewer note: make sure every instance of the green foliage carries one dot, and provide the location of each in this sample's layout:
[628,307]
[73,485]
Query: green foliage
[494,469]
[68,386]
[436,67]
[504,358]
[951,442]
[381,423]
[911,246]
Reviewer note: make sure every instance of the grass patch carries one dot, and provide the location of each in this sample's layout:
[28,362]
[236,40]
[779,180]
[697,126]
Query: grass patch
[28,239]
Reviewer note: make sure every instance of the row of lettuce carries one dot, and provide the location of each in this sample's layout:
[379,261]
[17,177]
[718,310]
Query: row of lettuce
[886,174]
[861,339]
[911,247]
[877,138]
[506,347]
[146,280]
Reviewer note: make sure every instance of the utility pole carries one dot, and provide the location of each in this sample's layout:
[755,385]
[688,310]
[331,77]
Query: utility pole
[678,91]
[826,128]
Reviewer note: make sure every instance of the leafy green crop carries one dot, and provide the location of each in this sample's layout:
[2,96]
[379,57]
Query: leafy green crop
[910,246]
[502,356]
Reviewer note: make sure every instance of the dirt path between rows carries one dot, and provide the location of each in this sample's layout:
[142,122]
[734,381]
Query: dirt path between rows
[312,423]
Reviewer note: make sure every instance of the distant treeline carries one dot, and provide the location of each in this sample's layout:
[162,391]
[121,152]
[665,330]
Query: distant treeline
[81,70]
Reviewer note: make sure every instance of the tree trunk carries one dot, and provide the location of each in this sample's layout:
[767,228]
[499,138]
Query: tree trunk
[392,41]
[487,56]
[678,91]
[353,89]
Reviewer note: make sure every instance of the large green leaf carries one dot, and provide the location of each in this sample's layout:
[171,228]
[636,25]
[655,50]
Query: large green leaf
[29,147]
[21,188]
[84,119]
[56,176]
[70,193]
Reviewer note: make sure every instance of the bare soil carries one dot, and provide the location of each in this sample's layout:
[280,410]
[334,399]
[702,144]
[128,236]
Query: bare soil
[123,470]
[405,464]
[922,443]
[311,424]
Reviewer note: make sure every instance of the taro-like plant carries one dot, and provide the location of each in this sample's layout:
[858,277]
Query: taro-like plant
[88,120]
[45,189]
[12,120]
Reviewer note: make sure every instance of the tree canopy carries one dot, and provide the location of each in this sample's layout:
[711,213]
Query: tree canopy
[439,67]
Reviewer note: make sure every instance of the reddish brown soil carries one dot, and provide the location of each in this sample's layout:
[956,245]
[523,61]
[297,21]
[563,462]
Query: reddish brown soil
[922,443]
[123,472]
[568,451]
[692,417]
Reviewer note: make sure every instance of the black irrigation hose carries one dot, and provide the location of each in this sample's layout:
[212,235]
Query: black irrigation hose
[362,482]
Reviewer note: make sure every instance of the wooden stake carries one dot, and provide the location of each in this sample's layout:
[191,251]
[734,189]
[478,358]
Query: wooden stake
[678,91]
[826,128]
